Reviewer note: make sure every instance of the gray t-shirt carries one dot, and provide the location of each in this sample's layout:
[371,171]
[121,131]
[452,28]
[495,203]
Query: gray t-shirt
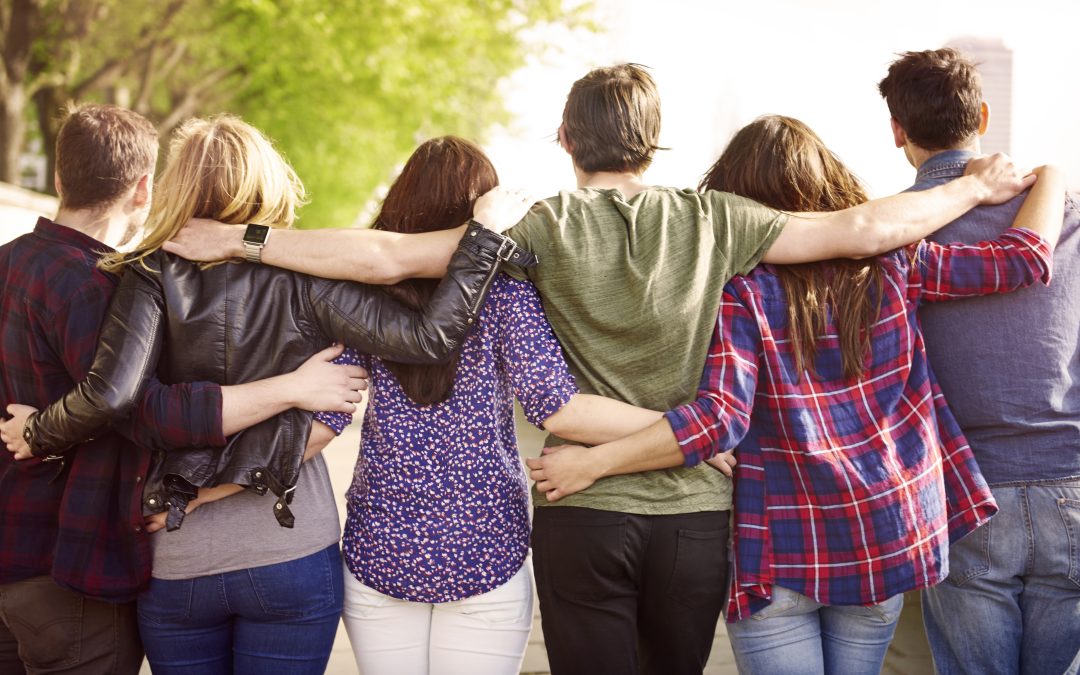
[240,531]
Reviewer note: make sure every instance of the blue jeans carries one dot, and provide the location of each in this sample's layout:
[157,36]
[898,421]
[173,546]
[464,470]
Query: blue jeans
[1011,603]
[796,635]
[275,619]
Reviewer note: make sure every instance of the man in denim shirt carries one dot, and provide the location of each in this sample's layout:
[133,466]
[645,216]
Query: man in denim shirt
[1010,368]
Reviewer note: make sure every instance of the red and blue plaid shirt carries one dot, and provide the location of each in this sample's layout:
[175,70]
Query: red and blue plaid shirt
[847,490]
[81,525]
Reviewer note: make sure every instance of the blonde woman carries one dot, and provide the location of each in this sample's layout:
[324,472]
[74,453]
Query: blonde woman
[233,590]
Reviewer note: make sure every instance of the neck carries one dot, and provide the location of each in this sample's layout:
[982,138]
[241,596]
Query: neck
[629,184]
[111,227]
[919,156]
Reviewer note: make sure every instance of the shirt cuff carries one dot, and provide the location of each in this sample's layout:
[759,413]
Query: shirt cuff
[1044,253]
[690,434]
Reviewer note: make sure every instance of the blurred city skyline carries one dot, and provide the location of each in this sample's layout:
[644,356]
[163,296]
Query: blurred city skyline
[721,64]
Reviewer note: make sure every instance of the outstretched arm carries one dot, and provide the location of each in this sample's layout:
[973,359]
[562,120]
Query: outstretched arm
[368,256]
[717,420]
[885,224]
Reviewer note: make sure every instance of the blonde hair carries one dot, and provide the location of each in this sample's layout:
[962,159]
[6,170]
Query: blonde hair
[219,168]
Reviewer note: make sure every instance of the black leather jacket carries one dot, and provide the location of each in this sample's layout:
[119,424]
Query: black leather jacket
[235,323]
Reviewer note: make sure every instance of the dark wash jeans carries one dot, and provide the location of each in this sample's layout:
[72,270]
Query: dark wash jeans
[627,594]
[48,629]
[278,619]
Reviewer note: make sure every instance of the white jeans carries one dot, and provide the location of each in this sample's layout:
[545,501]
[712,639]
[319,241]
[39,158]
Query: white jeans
[475,636]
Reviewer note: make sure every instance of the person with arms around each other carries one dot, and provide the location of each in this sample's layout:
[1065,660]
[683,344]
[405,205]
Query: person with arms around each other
[233,590]
[437,535]
[1010,369]
[74,550]
[853,475]
[630,573]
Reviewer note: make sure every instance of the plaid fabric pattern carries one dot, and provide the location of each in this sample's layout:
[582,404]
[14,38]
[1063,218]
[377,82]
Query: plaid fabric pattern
[80,522]
[847,491]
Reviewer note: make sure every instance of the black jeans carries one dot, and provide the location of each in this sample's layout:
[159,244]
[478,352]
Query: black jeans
[628,594]
[48,629]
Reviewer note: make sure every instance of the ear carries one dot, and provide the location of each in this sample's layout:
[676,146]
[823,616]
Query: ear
[898,133]
[984,117]
[564,140]
[143,191]
[57,185]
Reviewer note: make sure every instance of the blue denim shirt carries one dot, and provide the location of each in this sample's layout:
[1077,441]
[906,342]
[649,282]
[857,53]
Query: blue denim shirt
[1010,364]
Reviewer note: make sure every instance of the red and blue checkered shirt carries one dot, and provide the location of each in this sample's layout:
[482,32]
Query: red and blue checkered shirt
[847,490]
[82,524]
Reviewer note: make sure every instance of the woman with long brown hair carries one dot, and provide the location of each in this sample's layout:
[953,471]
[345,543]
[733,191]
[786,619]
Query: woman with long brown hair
[438,524]
[853,475]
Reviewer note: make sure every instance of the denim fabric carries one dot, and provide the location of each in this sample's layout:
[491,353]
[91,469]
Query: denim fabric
[278,619]
[1009,365]
[796,635]
[1011,603]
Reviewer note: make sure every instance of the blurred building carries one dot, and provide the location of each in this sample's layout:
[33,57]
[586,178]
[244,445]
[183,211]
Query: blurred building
[995,63]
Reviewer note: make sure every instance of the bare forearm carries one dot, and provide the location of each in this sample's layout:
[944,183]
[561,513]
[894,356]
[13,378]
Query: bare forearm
[1043,210]
[245,405]
[595,419]
[655,447]
[874,227]
[320,437]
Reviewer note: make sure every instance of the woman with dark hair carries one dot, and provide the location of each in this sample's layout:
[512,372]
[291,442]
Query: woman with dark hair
[438,524]
[853,475]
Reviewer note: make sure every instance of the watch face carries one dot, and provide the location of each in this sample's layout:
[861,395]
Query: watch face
[256,234]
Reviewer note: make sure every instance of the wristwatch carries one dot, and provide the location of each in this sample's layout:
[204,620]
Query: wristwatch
[255,237]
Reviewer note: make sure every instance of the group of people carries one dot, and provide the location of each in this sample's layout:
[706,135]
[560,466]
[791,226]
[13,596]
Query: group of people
[855,434]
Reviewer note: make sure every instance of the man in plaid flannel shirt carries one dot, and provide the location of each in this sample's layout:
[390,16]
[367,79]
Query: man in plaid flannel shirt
[74,550]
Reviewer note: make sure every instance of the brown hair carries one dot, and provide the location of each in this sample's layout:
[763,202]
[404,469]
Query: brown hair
[935,96]
[435,191]
[101,152]
[781,162]
[612,119]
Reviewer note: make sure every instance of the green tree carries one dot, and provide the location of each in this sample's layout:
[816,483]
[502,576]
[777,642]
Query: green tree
[346,88]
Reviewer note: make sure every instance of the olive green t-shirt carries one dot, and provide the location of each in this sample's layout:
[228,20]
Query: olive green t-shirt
[632,288]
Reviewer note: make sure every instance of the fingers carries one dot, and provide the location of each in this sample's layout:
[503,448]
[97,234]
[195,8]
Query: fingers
[1028,180]
[534,463]
[330,353]
[357,384]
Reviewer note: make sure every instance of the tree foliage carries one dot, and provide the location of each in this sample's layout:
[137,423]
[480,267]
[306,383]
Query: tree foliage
[345,88]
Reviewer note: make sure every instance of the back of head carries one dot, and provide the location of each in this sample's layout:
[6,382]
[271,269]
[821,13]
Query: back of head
[935,96]
[611,120]
[435,191]
[101,152]
[782,163]
[224,169]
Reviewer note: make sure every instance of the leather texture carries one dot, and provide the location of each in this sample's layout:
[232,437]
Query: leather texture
[236,322]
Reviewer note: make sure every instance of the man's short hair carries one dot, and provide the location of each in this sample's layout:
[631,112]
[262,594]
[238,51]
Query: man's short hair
[101,151]
[612,119]
[935,96]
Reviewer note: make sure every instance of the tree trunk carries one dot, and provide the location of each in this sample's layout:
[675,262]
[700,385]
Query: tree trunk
[49,102]
[12,132]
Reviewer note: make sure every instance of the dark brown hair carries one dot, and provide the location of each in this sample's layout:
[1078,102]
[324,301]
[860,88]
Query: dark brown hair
[435,191]
[101,151]
[935,96]
[612,119]
[781,162]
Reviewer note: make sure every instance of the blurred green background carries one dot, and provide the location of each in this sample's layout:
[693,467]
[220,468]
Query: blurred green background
[346,88]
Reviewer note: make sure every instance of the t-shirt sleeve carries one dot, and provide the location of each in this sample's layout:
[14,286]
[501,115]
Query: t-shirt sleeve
[531,234]
[744,229]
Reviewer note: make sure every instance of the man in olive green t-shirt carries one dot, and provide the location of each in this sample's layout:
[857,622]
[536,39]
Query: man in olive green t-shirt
[631,572]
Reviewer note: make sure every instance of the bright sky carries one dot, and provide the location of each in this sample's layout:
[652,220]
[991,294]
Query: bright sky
[720,64]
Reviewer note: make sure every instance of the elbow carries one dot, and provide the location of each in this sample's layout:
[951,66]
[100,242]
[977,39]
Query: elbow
[112,402]
[868,237]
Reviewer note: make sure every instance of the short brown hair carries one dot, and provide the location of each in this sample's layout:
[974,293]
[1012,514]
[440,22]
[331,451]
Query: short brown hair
[612,119]
[101,151]
[935,96]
